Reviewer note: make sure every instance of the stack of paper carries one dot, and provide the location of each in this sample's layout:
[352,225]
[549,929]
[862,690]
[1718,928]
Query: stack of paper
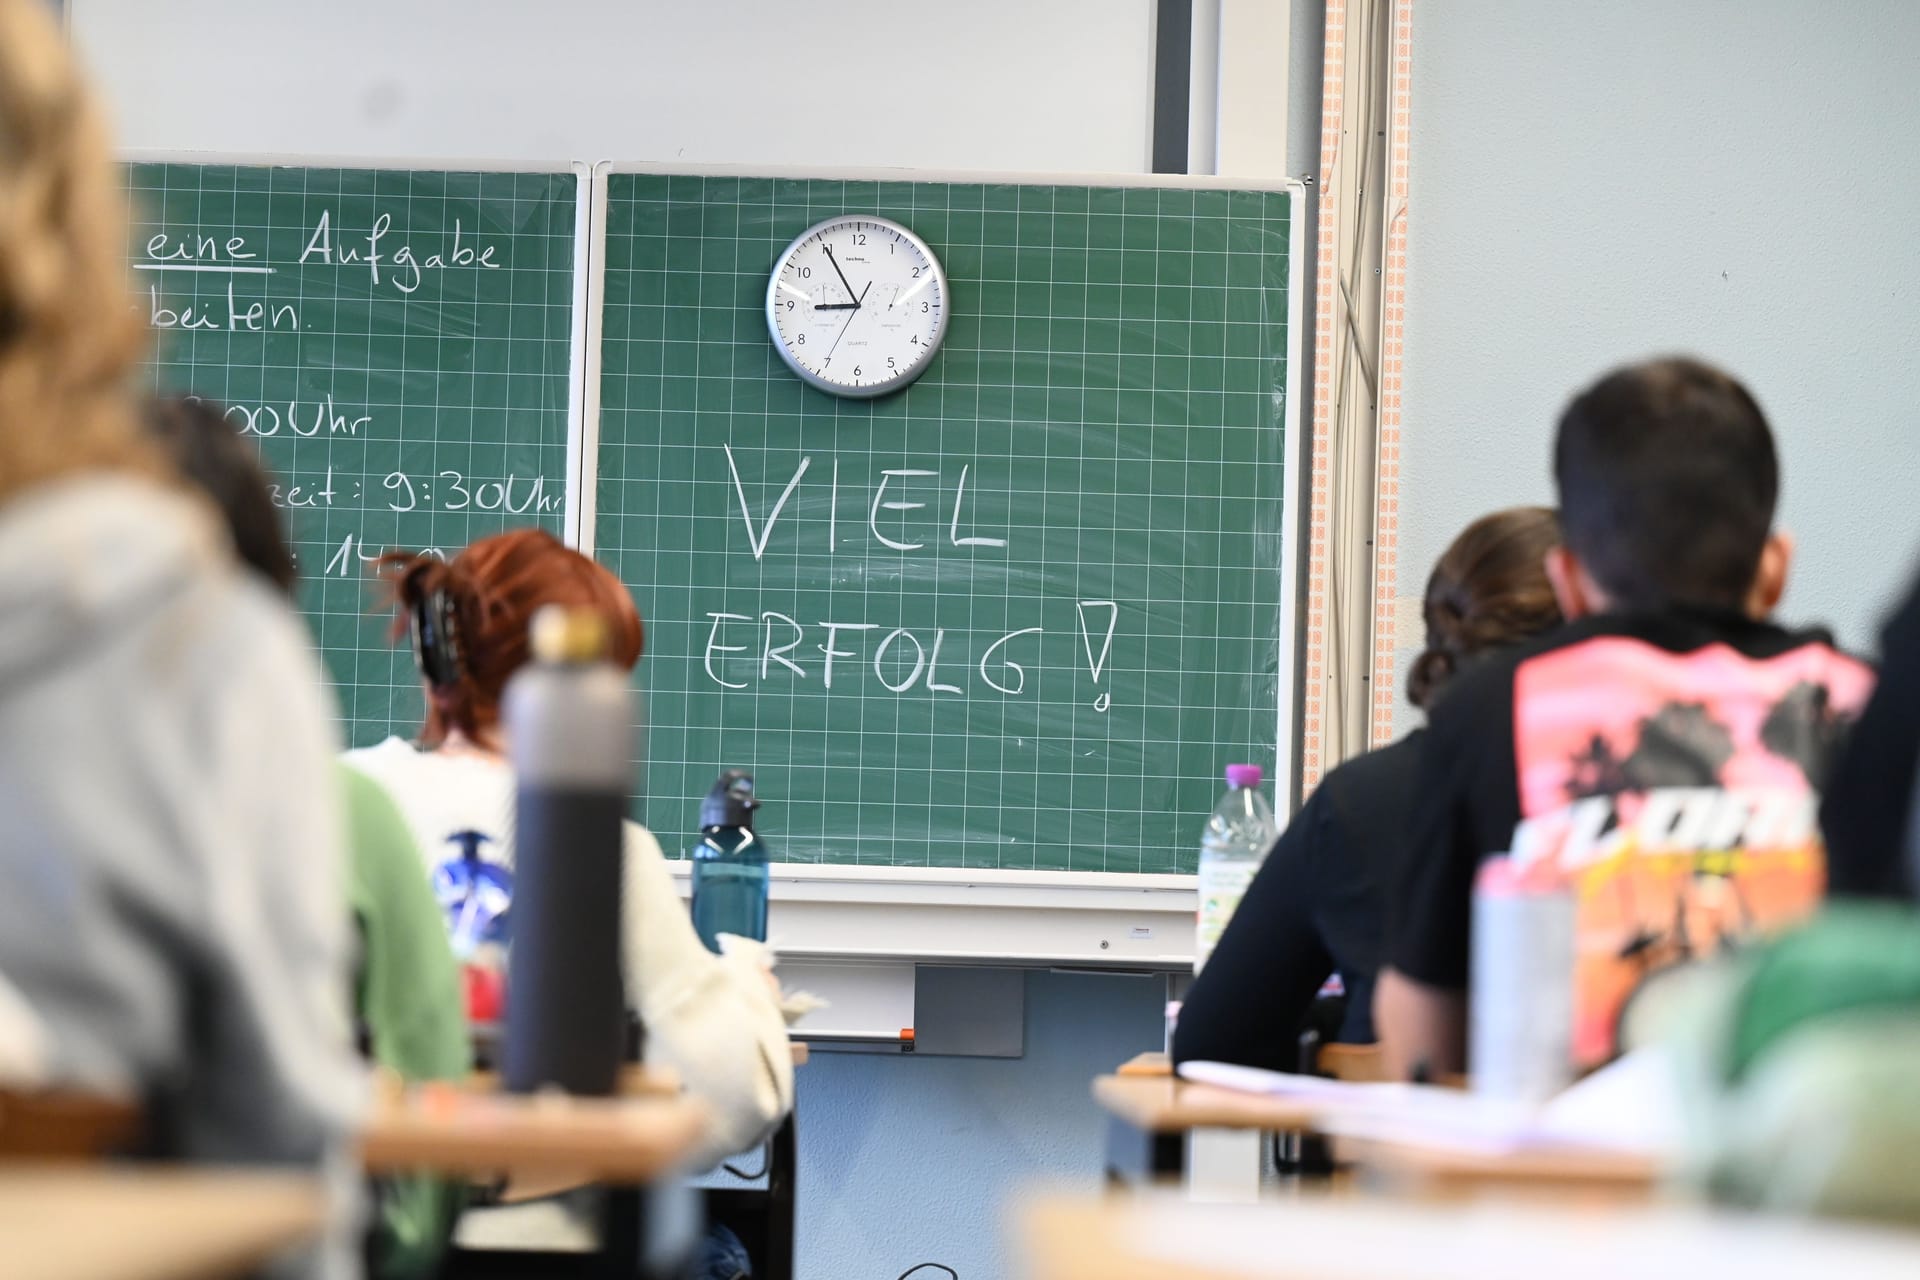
[1629,1106]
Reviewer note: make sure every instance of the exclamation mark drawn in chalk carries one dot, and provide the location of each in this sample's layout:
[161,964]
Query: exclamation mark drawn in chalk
[1099,664]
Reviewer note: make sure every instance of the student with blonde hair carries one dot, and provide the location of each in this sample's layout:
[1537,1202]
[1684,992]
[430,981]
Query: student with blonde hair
[169,848]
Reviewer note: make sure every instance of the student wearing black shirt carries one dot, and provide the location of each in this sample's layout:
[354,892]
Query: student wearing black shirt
[1316,908]
[1867,811]
[1663,752]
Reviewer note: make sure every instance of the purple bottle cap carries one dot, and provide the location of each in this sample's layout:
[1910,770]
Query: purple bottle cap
[1244,775]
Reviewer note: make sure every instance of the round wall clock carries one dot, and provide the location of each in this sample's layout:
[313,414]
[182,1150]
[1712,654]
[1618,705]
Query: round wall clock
[857,305]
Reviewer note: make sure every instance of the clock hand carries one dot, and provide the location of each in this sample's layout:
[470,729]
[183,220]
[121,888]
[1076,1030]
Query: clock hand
[836,306]
[828,250]
[849,324]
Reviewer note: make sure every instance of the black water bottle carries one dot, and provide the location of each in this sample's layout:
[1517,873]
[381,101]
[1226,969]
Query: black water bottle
[569,723]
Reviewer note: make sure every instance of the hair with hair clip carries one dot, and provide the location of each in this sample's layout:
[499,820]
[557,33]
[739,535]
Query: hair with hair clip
[436,638]
[469,616]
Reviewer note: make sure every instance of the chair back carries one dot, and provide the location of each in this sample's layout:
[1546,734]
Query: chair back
[1360,1063]
[65,1124]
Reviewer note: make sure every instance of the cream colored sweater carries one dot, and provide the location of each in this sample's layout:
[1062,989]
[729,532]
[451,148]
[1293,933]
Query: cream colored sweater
[715,1021]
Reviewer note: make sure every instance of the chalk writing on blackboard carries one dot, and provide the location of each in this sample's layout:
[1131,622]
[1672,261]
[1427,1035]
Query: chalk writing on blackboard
[912,511]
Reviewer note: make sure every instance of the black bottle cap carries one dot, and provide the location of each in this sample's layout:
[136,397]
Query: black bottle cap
[731,802]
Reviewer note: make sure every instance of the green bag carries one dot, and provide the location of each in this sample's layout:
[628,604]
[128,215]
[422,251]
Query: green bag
[1802,1065]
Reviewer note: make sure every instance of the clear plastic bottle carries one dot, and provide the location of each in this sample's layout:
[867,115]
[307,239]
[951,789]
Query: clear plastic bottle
[729,864]
[1520,998]
[1237,839]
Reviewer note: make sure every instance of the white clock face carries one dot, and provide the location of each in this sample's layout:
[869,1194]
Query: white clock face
[857,306]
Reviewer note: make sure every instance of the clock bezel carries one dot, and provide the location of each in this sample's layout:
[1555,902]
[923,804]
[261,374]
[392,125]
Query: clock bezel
[901,380]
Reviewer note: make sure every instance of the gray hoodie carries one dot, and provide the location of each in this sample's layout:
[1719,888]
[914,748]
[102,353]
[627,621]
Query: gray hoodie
[171,901]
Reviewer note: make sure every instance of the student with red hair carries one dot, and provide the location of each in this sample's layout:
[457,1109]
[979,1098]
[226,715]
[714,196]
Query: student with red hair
[715,1020]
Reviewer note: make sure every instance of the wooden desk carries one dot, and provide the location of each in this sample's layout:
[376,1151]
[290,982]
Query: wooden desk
[636,1081]
[625,1140]
[1437,1171]
[1150,1116]
[632,1143]
[1167,1105]
[637,1077]
[1165,1237]
[1159,1128]
[104,1222]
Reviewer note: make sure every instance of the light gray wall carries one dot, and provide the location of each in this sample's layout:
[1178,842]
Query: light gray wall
[833,83]
[1736,178]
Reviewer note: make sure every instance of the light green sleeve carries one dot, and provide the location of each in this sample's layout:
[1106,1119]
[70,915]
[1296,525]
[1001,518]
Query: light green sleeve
[409,986]
[409,1000]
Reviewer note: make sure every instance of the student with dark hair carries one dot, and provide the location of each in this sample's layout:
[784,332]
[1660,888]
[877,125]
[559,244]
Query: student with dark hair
[1316,908]
[1664,750]
[210,454]
[406,988]
[1867,812]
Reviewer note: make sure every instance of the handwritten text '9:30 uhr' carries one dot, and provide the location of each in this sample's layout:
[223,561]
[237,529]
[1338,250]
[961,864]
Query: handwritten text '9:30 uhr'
[513,494]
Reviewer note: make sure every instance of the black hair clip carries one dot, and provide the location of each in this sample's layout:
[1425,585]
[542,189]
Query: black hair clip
[436,638]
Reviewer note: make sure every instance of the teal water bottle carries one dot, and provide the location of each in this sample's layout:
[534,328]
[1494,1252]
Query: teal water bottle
[729,864]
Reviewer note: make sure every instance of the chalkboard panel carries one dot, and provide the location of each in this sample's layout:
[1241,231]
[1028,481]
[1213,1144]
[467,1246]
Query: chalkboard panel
[1016,616]
[398,343]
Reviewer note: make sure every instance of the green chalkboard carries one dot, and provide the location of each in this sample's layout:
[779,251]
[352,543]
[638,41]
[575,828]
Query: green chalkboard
[1109,406]
[397,342]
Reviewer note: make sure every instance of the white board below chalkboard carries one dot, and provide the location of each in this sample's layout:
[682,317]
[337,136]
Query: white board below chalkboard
[935,915]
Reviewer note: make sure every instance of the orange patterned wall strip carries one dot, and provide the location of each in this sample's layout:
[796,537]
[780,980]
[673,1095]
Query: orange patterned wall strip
[1393,312]
[1313,700]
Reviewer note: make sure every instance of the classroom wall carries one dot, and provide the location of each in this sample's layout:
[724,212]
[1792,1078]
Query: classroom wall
[1597,182]
[1008,84]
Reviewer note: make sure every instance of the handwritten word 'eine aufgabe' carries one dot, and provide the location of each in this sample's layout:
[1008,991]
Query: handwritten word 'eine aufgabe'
[406,262]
